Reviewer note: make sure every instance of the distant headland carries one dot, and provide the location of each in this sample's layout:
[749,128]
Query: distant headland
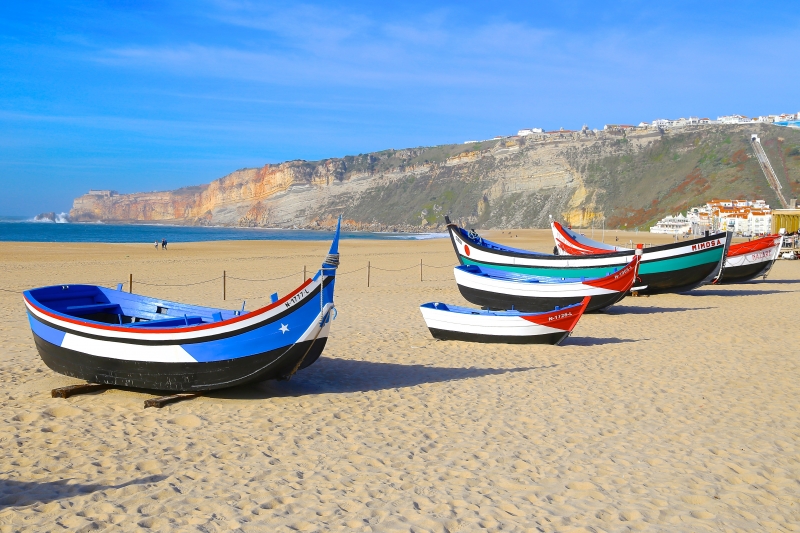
[621,176]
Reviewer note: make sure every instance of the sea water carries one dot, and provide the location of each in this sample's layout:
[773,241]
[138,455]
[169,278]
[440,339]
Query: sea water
[21,229]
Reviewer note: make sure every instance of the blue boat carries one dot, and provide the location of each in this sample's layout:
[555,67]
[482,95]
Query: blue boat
[116,338]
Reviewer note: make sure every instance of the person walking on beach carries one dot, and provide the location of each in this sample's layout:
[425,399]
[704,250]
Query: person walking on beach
[163,244]
[156,245]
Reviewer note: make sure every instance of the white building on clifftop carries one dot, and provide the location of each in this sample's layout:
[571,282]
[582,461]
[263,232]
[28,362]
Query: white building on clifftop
[673,225]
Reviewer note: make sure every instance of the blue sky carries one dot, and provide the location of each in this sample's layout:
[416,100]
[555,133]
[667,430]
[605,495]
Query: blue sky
[141,96]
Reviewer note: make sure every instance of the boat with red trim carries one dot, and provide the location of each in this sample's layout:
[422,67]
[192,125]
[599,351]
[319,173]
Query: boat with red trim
[499,289]
[450,322]
[673,268]
[112,337]
[744,261]
[747,261]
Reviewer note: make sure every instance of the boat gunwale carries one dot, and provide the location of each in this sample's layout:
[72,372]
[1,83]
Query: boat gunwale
[760,243]
[521,277]
[29,300]
[502,250]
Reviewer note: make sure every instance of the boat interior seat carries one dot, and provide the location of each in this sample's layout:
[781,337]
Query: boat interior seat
[169,322]
[91,309]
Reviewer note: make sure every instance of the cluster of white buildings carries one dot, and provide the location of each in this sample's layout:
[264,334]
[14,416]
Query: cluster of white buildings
[785,119]
[663,123]
[743,217]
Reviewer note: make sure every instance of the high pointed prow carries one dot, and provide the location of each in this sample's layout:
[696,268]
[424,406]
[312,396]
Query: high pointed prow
[332,259]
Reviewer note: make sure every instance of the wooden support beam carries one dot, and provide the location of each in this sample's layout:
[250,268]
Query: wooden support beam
[81,388]
[164,400]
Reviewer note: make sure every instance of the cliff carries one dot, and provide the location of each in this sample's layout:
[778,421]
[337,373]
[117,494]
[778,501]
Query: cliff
[628,179]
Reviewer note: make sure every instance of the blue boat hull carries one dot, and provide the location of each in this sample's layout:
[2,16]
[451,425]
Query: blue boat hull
[183,377]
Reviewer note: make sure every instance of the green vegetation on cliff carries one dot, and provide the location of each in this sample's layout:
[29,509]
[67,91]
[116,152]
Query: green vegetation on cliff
[687,169]
[629,180]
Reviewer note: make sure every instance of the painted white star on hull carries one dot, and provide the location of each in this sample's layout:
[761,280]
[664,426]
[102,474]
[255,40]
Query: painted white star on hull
[284,328]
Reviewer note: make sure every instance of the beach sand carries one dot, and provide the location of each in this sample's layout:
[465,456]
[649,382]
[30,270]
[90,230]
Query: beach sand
[667,413]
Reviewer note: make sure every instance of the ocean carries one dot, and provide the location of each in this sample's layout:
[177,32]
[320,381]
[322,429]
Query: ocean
[21,229]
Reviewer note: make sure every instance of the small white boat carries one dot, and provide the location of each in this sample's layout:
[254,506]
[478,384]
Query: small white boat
[450,322]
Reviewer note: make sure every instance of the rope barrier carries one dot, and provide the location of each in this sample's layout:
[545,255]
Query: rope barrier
[268,279]
[254,280]
[395,269]
[350,272]
[177,284]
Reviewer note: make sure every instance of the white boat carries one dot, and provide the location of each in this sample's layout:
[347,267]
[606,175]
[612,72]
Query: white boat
[450,322]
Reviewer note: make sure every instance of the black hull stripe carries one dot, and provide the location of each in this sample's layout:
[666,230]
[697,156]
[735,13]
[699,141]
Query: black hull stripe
[547,338]
[179,376]
[528,304]
[667,282]
[744,273]
[209,338]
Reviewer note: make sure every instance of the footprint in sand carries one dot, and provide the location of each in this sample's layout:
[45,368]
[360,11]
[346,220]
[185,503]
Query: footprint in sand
[580,485]
[187,421]
[62,411]
[26,417]
[150,466]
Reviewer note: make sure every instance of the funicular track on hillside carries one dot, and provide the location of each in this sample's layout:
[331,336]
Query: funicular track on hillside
[763,161]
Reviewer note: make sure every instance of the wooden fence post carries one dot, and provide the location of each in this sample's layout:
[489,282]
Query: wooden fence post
[368,268]
[224,288]
[130,283]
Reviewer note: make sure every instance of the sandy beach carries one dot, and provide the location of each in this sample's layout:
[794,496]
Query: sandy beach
[667,413]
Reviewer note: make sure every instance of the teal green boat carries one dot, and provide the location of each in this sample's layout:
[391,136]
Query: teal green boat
[671,268]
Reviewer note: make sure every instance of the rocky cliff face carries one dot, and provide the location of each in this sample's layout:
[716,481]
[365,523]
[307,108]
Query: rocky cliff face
[625,179]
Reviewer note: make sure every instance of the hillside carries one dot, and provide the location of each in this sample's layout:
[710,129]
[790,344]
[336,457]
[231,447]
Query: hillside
[630,180]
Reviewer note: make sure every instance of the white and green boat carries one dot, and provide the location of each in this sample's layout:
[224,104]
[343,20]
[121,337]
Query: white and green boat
[671,268]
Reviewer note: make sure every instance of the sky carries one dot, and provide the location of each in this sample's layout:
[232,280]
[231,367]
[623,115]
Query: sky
[145,95]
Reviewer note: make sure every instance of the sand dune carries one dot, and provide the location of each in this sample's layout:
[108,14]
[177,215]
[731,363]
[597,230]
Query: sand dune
[675,412]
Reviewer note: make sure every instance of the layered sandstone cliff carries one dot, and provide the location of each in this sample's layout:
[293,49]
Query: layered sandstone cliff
[514,182]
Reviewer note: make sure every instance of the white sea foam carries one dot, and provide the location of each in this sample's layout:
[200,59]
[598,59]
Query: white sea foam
[61,218]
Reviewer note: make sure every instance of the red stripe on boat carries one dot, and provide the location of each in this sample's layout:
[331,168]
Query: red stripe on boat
[171,330]
[572,251]
[763,243]
[563,319]
[582,249]
[620,281]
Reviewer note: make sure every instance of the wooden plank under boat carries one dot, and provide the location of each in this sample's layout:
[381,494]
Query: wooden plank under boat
[111,337]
